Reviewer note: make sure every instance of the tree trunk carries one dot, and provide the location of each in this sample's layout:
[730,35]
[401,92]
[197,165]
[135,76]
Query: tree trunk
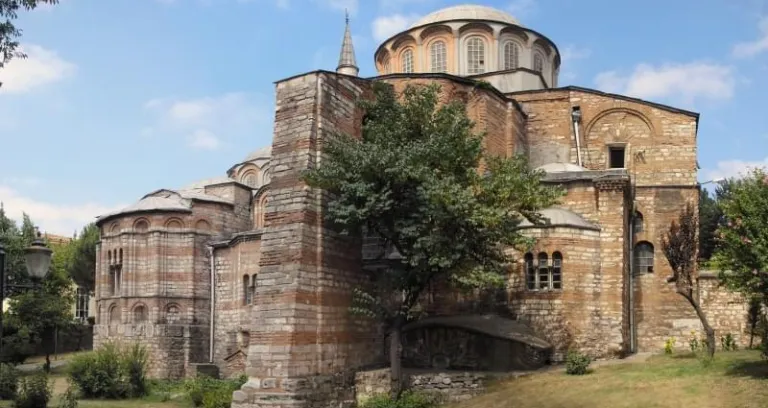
[707,328]
[395,362]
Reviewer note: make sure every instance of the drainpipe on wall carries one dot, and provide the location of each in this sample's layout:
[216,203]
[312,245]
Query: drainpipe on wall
[632,279]
[576,119]
[213,300]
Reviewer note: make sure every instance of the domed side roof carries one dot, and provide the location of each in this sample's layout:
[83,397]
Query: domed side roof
[263,153]
[467,12]
[153,203]
[560,217]
[561,167]
[200,184]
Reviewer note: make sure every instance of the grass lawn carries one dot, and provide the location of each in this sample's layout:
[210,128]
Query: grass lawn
[734,379]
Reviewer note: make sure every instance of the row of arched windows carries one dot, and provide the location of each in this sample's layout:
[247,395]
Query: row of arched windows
[475,56]
[139,314]
[540,274]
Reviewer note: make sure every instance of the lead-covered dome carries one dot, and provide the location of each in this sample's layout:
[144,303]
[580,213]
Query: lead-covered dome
[467,12]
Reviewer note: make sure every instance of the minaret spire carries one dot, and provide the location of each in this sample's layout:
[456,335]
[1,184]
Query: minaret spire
[347,61]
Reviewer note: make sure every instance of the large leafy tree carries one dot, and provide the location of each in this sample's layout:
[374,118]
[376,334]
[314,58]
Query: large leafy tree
[680,247]
[414,181]
[709,219]
[9,33]
[15,239]
[83,263]
[742,252]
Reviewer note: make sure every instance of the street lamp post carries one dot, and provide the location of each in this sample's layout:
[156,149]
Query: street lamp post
[37,258]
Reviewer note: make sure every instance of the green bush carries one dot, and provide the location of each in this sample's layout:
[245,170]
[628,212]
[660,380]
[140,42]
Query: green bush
[204,388]
[408,399]
[669,345]
[9,382]
[69,399]
[218,398]
[728,342]
[34,392]
[111,372]
[576,363]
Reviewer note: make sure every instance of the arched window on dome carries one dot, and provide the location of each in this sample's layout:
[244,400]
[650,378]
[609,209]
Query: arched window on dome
[385,66]
[406,60]
[251,180]
[538,62]
[438,57]
[511,55]
[475,56]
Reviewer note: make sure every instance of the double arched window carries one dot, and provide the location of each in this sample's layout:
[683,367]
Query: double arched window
[541,274]
[538,62]
[475,56]
[511,55]
[438,60]
[407,61]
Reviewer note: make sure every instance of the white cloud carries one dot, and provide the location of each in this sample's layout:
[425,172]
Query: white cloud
[41,67]
[204,122]
[386,26]
[571,53]
[752,48]
[685,81]
[522,8]
[50,217]
[203,139]
[732,168]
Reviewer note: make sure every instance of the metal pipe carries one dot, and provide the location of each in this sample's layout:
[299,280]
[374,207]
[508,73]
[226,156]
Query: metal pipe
[212,300]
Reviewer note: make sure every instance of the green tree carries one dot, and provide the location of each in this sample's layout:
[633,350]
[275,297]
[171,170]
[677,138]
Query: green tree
[413,181]
[709,219]
[679,246]
[742,252]
[9,33]
[15,239]
[83,266]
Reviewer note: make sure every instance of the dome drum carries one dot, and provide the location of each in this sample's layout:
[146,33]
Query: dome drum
[473,41]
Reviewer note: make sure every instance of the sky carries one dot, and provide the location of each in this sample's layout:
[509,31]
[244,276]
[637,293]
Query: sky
[118,98]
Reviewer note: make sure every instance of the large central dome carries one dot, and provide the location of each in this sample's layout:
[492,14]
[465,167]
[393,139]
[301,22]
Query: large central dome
[466,12]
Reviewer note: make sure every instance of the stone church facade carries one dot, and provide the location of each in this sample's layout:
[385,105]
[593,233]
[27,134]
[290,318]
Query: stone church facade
[240,272]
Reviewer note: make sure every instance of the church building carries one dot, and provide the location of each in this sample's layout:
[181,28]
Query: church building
[238,273]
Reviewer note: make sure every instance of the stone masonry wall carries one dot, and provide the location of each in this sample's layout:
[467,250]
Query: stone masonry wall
[726,311]
[232,329]
[305,345]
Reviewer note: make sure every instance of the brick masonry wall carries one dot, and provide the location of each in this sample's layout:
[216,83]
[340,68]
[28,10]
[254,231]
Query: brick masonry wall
[305,345]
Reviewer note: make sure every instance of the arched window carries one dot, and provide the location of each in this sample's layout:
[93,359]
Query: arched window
[438,57]
[557,270]
[530,272]
[538,62]
[248,289]
[139,314]
[250,180]
[543,275]
[637,222]
[386,67]
[511,55]
[172,314]
[643,258]
[113,319]
[407,61]
[475,56]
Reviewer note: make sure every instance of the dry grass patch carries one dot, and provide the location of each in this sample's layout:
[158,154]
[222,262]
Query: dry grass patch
[733,379]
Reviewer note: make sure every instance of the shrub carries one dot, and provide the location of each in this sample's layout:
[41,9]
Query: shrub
[204,388]
[34,392]
[669,345]
[111,372]
[693,342]
[69,399]
[728,343]
[408,399]
[576,363]
[9,382]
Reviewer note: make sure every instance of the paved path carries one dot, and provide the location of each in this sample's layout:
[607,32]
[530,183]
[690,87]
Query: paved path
[28,368]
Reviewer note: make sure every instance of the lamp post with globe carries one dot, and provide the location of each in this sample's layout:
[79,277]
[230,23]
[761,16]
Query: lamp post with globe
[37,258]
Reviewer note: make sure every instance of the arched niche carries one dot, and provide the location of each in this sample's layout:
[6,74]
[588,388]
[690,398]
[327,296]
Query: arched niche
[435,30]
[141,225]
[174,224]
[401,41]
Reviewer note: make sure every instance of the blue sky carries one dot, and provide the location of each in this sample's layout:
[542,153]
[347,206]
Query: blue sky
[121,97]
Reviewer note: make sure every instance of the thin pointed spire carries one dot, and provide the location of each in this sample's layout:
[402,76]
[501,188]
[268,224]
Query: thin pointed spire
[347,60]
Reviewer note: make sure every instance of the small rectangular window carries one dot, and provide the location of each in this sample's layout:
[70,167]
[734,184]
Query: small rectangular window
[616,157]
